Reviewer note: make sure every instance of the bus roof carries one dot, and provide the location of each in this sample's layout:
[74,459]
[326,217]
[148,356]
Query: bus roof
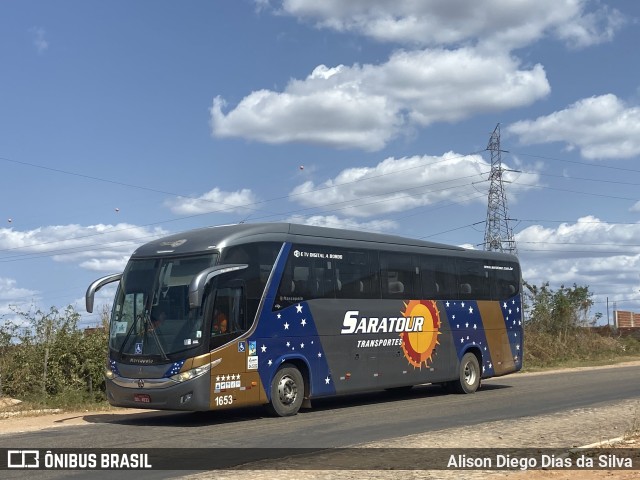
[216,238]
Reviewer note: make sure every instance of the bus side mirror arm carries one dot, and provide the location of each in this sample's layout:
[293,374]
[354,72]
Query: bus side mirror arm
[97,285]
[200,281]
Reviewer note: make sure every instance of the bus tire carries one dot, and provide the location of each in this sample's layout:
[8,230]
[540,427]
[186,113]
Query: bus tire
[287,391]
[469,375]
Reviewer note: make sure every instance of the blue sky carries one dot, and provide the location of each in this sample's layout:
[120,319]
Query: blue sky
[124,121]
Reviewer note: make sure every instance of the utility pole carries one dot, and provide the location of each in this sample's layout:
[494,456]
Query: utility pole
[498,235]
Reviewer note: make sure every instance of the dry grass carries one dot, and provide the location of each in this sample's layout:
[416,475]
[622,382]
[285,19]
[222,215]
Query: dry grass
[580,346]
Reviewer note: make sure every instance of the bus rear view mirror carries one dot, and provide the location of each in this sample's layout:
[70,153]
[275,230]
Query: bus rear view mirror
[97,285]
[200,281]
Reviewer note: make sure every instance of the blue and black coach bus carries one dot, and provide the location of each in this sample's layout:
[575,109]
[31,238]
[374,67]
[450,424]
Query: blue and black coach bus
[279,314]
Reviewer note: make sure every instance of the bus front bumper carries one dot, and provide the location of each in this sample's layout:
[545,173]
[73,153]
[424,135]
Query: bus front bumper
[160,394]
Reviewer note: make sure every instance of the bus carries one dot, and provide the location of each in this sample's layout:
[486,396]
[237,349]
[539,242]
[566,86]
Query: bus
[278,314]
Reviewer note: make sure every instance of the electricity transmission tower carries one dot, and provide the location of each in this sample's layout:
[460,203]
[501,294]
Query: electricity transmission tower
[498,235]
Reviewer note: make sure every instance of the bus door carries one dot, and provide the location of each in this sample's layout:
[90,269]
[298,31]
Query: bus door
[235,380]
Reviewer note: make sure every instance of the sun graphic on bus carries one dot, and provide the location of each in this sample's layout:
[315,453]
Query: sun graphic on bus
[419,346]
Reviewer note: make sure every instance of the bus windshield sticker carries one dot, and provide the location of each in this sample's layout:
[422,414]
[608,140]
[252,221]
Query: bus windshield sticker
[138,350]
[120,327]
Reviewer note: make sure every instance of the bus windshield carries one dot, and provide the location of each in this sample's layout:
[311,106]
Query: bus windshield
[151,314]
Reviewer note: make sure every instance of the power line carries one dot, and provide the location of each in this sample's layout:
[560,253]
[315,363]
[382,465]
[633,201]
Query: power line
[596,180]
[585,164]
[602,195]
[352,202]
[596,222]
[233,206]
[85,248]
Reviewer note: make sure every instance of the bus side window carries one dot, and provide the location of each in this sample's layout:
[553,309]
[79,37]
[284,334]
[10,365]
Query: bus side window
[303,278]
[324,281]
[399,275]
[303,284]
[438,278]
[505,281]
[260,257]
[356,275]
[229,316]
[466,291]
[473,280]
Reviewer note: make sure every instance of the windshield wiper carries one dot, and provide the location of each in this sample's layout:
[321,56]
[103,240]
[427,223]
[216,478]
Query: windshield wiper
[126,338]
[147,324]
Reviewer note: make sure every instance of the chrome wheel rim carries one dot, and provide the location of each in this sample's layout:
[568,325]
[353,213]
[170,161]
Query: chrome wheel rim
[470,374]
[287,390]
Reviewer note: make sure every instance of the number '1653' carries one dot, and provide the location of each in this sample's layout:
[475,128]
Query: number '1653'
[224,400]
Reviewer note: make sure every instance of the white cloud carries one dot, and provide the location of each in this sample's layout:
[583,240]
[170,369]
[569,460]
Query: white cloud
[214,200]
[590,252]
[333,221]
[38,39]
[400,184]
[9,290]
[339,117]
[601,127]
[12,297]
[588,237]
[591,28]
[11,294]
[94,247]
[501,24]
[115,264]
[367,106]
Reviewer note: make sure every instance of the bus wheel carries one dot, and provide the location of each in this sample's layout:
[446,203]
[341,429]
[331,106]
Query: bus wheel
[469,375]
[287,391]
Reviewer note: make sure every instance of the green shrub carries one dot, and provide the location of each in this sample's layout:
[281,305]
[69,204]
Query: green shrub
[47,359]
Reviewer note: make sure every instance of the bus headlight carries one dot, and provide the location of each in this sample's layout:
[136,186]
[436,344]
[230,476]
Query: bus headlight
[191,374]
[108,373]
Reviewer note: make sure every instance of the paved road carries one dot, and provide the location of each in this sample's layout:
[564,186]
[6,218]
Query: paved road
[348,420]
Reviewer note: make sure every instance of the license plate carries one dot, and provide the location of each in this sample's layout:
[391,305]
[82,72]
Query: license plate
[142,398]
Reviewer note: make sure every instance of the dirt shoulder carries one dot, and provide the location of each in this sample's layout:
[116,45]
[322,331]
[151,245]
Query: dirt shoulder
[30,420]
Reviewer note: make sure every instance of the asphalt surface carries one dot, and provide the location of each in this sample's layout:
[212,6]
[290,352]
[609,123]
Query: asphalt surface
[341,422]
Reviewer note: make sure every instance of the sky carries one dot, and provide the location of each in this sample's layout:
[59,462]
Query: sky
[124,121]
